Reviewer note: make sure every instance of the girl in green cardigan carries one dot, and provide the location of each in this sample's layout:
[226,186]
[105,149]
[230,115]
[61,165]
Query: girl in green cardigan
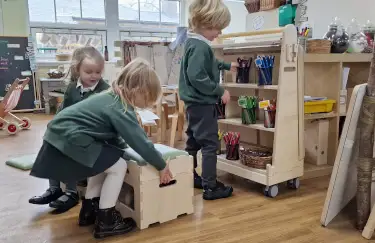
[83,141]
[85,80]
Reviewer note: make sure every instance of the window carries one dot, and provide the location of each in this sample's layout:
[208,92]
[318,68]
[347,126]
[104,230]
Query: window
[148,36]
[154,12]
[67,11]
[51,41]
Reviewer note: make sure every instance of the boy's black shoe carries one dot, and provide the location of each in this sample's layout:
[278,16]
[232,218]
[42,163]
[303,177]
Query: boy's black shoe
[89,211]
[47,197]
[197,181]
[82,183]
[219,191]
[65,205]
[109,222]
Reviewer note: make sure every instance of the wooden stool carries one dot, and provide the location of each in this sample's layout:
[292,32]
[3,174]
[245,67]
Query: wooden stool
[145,201]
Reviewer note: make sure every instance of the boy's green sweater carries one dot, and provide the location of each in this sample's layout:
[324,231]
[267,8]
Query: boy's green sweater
[80,131]
[200,74]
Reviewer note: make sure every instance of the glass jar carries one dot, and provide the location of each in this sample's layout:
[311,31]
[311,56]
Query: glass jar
[357,39]
[338,36]
[369,31]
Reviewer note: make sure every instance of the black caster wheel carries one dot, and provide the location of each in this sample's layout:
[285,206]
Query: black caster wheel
[293,184]
[271,191]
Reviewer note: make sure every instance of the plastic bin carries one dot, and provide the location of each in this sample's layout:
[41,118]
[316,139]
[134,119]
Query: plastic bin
[320,106]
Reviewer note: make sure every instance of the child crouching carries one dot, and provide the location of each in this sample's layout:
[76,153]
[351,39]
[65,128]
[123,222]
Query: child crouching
[82,141]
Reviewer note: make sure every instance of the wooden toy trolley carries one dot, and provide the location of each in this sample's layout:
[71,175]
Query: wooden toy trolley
[287,138]
[8,103]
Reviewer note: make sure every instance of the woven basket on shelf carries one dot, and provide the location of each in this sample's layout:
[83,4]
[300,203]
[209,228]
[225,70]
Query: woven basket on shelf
[318,46]
[269,4]
[255,156]
[252,6]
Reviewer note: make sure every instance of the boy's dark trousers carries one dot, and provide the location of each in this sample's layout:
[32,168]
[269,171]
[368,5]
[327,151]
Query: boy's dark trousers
[202,133]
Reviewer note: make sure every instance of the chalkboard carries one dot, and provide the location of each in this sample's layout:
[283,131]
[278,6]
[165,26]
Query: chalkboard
[14,63]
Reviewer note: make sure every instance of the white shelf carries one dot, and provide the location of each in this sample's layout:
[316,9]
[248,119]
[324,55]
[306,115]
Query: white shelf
[249,86]
[238,122]
[235,167]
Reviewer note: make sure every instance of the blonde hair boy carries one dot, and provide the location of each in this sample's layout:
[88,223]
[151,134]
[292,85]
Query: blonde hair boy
[208,14]
[199,88]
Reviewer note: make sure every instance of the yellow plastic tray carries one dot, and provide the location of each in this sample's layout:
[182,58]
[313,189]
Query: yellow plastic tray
[319,106]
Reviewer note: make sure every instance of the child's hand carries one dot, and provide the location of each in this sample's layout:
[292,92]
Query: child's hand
[165,175]
[226,97]
[234,66]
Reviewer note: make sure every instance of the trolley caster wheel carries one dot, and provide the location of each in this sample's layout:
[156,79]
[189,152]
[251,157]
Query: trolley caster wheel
[26,123]
[271,191]
[12,128]
[293,184]
[2,125]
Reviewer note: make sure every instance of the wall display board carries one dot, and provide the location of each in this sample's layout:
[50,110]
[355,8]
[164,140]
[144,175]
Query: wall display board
[14,63]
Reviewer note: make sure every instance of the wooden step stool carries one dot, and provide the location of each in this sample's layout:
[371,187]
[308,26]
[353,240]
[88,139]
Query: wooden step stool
[143,199]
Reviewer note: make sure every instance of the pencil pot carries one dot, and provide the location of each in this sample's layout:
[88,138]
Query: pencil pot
[220,109]
[243,70]
[269,118]
[218,151]
[264,76]
[302,41]
[232,152]
[248,116]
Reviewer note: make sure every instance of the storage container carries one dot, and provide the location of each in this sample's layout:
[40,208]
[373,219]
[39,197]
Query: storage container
[319,106]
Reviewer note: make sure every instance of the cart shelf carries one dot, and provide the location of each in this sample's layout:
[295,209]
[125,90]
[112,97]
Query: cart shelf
[287,138]
[238,122]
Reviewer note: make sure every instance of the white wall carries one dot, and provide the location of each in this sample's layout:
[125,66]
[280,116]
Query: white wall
[322,12]
[238,13]
[262,20]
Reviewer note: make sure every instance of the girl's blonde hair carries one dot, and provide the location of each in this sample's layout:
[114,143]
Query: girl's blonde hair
[208,14]
[137,79]
[79,55]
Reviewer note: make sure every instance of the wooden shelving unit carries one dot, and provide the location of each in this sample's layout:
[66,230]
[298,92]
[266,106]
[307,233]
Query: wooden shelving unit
[287,138]
[323,78]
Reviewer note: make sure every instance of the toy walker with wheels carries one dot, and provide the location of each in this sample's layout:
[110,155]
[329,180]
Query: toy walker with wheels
[8,103]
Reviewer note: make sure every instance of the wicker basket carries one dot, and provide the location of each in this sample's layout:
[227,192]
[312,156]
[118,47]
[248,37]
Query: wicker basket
[269,4]
[252,6]
[318,46]
[255,156]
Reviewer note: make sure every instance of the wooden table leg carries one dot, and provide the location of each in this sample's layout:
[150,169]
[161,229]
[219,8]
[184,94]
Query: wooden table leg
[160,137]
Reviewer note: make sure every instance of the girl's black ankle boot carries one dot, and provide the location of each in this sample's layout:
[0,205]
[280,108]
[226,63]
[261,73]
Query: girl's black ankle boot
[89,211]
[109,222]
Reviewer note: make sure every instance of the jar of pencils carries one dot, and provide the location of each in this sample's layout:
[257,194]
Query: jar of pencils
[231,140]
[269,116]
[249,107]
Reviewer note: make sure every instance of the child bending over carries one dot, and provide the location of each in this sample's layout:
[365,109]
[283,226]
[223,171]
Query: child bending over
[82,141]
[199,88]
[86,70]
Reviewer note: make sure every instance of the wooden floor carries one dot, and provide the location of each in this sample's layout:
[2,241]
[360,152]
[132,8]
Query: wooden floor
[247,217]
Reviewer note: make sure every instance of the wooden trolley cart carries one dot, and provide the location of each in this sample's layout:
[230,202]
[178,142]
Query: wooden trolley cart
[287,138]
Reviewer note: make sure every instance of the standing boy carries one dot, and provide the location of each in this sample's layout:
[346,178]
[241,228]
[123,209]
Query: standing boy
[200,89]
